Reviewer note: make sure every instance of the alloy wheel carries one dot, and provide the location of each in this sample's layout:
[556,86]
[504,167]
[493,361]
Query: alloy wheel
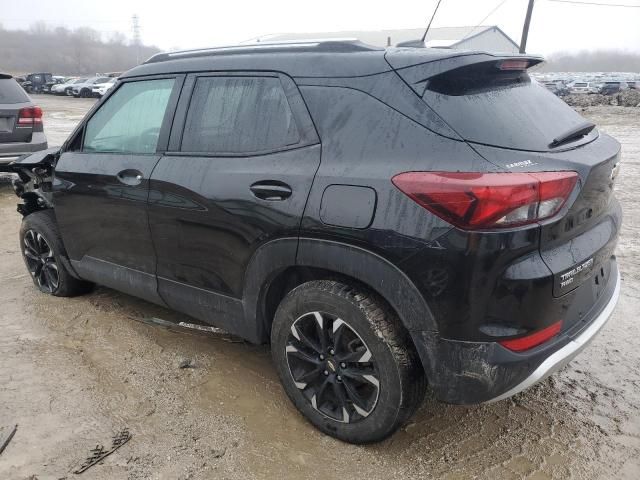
[333,367]
[41,261]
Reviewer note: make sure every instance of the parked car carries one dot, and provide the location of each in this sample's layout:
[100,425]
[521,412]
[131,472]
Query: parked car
[21,129]
[583,87]
[610,88]
[352,206]
[557,88]
[99,89]
[84,89]
[55,80]
[65,88]
[36,82]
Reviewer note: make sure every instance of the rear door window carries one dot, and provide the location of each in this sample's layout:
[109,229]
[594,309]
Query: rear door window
[130,120]
[238,115]
[11,92]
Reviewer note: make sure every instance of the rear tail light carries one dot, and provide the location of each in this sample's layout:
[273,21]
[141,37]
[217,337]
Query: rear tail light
[533,340]
[515,64]
[474,201]
[29,116]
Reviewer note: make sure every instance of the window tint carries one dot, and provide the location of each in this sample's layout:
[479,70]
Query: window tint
[238,115]
[11,92]
[130,120]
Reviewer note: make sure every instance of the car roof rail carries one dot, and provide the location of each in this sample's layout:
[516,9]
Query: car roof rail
[330,45]
[5,76]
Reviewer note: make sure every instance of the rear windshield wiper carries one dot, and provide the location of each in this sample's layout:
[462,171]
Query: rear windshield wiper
[574,133]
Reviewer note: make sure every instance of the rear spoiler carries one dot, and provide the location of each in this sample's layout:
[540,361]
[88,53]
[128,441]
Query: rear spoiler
[416,66]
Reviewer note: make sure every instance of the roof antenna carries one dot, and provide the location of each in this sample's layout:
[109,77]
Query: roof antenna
[424,37]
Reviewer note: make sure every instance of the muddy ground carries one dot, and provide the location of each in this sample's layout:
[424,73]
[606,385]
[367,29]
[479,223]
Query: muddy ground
[75,371]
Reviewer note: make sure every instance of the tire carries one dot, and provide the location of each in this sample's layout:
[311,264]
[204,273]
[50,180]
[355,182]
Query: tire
[45,257]
[366,380]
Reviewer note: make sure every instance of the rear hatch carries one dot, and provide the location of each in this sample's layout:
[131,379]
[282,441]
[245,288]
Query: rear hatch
[491,100]
[518,125]
[12,99]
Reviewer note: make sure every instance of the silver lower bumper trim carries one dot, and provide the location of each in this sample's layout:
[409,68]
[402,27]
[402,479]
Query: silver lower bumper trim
[563,356]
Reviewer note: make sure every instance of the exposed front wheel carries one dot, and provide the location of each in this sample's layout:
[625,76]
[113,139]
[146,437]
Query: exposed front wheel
[43,252]
[345,361]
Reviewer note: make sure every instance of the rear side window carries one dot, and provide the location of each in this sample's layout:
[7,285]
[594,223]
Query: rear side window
[11,92]
[130,120]
[238,115]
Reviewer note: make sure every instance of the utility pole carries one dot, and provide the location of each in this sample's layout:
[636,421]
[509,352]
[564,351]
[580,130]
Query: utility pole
[135,26]
[525,28]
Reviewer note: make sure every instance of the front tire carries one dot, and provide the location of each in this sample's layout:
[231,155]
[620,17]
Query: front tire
[44,254]
[345,361]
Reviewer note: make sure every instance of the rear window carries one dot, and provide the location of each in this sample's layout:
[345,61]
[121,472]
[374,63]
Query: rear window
[238,115]
[499,108]
[11,92]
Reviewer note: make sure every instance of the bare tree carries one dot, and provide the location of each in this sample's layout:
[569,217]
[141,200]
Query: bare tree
[66,52]
[593,61]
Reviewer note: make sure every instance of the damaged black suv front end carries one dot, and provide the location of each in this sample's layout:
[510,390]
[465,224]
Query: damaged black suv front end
[34,179]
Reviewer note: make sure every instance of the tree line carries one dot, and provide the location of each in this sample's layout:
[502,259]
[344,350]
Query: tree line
[62,51]
[593,61]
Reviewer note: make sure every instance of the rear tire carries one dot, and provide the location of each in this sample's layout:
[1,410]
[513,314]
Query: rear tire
[345,361]
[45,257]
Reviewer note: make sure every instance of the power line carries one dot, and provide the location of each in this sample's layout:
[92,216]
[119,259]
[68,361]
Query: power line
[576,2]
[485,18]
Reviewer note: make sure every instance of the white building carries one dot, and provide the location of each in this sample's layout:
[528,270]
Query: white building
[488,38]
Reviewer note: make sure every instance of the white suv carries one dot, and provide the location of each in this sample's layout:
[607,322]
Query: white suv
[99,89]
[583,87]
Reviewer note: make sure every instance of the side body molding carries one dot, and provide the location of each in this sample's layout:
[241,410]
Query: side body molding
[381,275]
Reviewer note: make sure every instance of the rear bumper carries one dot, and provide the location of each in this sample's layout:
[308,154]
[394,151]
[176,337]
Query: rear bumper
[12,151]
[477,372]
[5,160]
[563,356]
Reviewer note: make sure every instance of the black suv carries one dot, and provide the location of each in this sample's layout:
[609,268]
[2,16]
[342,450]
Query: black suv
[610,88]
[387,219]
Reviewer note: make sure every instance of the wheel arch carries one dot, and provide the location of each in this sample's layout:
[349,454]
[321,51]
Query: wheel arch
[275,269]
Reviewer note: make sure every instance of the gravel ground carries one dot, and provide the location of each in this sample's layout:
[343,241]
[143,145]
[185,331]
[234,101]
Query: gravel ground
[76,371]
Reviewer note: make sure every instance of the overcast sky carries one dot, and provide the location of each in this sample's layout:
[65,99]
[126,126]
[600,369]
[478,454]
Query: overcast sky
[190,23]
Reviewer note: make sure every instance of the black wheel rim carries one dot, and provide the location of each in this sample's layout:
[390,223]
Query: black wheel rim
[41,261]
[332,367]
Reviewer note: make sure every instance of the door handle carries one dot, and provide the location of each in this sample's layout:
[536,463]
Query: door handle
[130,177]
[271,190]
